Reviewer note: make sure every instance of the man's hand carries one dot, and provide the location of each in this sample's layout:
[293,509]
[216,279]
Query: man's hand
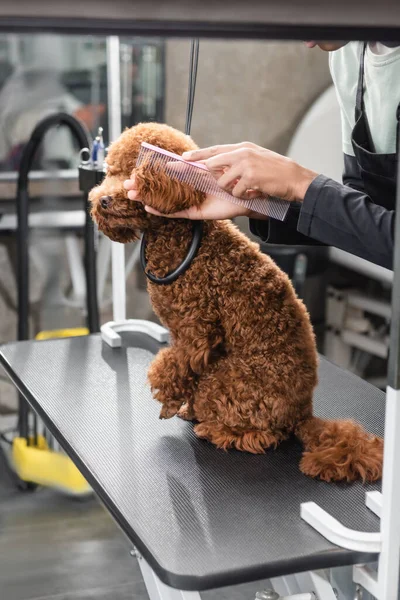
[246,170]
[213,208]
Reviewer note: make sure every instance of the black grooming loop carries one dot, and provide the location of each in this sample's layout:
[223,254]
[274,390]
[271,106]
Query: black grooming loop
[198,226]
[194,60]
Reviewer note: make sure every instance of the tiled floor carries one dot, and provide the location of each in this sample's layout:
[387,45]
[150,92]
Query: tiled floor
[55,548]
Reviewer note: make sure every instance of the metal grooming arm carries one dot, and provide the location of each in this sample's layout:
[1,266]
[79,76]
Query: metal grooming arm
[110,331]
[114,102]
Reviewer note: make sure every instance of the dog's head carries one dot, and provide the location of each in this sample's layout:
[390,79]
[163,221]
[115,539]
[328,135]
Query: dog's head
[122,219]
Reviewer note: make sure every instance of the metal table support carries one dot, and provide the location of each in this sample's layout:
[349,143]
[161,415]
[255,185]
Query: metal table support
[383,583]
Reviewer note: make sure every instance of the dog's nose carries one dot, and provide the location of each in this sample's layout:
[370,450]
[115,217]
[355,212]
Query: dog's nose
[105,201]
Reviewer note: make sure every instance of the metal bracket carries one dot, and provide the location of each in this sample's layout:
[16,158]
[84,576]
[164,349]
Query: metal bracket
[351,539]
[337,533]
[271,595]
[156,589]
[110,331]
[292,587]
[373,500]
[367,578]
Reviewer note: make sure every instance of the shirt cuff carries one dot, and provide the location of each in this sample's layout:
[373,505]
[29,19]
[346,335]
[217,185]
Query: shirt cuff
[308,206]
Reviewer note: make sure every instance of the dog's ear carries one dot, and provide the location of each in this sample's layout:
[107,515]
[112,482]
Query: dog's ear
[158,190]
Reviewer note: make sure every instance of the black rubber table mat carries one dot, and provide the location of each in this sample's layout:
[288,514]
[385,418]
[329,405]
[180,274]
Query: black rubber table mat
[201,517]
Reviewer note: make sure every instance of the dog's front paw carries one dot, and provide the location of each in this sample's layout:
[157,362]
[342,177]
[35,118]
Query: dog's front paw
[169,411]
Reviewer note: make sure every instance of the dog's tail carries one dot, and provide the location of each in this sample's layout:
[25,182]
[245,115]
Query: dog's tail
[339,450]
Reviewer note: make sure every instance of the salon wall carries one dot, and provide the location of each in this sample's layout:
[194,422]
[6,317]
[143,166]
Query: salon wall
[255,91]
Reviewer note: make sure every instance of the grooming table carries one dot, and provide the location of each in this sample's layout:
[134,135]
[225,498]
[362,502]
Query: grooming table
[200,517]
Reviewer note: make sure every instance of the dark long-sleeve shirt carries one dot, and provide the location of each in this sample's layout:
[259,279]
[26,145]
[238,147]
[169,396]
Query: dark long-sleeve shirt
[335,214]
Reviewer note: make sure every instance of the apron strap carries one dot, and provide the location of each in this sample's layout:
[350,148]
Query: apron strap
[360,113]
[360,86]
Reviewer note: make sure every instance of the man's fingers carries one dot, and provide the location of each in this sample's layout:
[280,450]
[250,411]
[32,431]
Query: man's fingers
[237,156]
[240,189]
[129,184]
[153,211]
[205,153]
[191,213]
[133,195]
[222,162]
[229,179]
[251,194]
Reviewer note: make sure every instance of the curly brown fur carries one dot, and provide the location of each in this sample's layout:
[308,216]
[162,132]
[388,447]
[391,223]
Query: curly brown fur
[340,450]
[243,360]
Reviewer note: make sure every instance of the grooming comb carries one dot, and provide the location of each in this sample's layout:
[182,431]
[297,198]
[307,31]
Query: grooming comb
[199,178]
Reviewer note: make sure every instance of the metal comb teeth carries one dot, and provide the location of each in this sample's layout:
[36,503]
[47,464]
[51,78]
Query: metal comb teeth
[199,178]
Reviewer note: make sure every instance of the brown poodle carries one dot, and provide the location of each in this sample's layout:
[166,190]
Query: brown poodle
[242,362]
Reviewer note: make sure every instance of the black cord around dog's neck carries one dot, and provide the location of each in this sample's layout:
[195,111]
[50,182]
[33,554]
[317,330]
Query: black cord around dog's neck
[198,226]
